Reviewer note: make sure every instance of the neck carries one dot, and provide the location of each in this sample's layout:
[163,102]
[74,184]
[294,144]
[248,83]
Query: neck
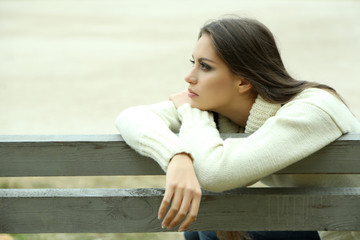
[239,111]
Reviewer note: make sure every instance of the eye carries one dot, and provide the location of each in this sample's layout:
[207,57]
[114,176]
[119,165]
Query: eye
[205,66]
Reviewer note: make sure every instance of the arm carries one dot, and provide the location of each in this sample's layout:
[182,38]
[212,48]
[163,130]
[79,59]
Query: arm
[296,131]
[149,130]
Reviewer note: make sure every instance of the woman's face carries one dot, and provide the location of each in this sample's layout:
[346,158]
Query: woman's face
[212,86]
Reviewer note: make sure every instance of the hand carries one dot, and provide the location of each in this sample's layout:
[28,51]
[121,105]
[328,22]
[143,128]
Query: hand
[183,188]
[180,98]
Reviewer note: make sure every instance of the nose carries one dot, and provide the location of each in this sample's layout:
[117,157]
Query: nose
[191,77]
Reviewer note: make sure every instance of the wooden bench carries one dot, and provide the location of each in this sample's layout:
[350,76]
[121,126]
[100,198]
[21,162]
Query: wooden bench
[135,210]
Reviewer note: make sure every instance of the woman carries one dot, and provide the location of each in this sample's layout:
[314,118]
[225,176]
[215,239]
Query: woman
[238,83]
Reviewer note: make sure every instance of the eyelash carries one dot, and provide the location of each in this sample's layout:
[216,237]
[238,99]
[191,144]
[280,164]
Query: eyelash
[203,65]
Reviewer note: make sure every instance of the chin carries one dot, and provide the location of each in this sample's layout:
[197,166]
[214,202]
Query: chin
[198,106]
[195,104]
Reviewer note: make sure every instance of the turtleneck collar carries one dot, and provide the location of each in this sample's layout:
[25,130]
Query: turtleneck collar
[260,111]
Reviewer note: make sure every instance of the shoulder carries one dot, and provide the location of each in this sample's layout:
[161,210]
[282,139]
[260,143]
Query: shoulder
[319,98]
[315,102]
[318,95]
[311,104]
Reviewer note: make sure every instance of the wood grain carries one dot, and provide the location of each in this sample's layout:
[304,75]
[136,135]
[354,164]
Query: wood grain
[135,210]
[96,155]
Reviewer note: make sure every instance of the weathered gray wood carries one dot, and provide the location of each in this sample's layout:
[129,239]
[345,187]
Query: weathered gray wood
[76,155]
[135,210]
[92,155]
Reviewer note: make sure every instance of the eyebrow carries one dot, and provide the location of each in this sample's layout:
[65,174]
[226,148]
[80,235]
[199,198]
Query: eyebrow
[204,59]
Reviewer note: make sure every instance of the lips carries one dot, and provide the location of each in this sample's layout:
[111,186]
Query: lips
[192,93]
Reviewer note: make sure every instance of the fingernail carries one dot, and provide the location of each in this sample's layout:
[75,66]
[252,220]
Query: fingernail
[163,226]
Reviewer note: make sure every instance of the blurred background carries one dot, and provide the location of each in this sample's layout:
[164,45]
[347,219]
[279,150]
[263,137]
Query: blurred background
[69,67]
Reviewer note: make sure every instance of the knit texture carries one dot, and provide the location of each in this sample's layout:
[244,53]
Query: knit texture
[306,124]
[149,130]
[259,113]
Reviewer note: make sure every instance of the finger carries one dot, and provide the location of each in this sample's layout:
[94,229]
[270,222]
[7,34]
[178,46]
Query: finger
[174,208]
[181,214]
[193,212]
[190,218]
[165,202]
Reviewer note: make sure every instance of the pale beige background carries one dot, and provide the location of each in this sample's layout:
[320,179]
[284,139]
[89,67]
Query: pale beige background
[69,67]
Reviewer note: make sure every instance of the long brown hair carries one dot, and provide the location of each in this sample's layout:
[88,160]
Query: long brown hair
[249,49]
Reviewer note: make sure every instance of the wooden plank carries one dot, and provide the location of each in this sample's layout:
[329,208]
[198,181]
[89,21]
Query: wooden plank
[94,155]
[135,210]
[71,155]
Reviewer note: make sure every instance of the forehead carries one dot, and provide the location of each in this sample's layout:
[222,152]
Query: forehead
[205,48]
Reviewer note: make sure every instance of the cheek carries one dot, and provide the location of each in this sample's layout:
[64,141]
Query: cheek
[220,87]
[213,81]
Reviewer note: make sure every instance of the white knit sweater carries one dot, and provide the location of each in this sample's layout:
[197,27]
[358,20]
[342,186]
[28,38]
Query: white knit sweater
[281,136]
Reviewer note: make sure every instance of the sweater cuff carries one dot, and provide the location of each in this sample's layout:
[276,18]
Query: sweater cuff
[163,148]
[191,117]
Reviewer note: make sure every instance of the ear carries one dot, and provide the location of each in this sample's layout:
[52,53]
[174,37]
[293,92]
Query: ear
[244,86]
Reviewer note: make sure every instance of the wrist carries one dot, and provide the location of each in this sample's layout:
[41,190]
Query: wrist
[181,157]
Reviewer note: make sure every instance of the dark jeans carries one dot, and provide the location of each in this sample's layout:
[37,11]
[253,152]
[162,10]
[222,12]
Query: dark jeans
[200,236]
[271,235]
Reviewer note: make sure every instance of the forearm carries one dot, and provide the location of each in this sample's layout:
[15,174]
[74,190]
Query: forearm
[149,131]
[222,165]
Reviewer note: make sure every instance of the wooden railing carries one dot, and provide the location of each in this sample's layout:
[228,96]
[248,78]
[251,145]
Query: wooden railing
[135,210]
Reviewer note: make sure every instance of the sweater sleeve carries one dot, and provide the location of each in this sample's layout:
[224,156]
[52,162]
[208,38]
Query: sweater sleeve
[149,130]
[296,131]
